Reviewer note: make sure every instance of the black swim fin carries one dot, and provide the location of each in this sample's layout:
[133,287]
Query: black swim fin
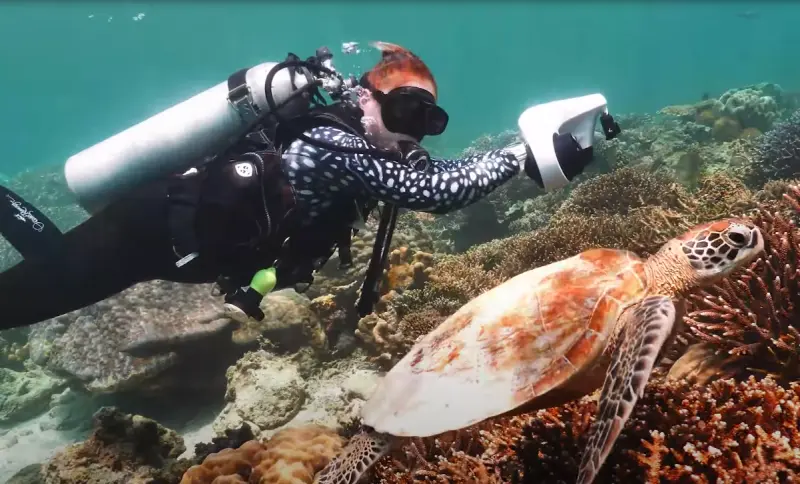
[26,228]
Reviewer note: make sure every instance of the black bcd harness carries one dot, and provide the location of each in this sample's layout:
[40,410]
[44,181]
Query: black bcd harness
[279,241]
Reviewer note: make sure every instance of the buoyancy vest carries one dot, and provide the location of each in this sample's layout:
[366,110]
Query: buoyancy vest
[241,224]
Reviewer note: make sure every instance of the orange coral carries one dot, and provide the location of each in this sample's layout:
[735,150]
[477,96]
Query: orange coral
[291,456]
[406,271]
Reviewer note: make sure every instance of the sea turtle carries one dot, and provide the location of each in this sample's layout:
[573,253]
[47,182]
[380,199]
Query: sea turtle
[545,337]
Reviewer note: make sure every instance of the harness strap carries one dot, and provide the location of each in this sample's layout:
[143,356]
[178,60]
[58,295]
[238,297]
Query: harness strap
[240,96]
[182,198]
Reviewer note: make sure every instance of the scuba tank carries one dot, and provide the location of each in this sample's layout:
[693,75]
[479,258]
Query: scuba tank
[195,131]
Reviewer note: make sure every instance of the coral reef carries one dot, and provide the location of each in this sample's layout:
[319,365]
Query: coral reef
[144,339]
[778,152]
[751,317]
[412,231]
[122,449]
[86,345]
[629,208]
[723,432]
[25,394]
[756,106]
[291,456]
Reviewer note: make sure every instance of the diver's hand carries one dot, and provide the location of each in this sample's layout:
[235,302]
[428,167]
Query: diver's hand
[243,305]
[159,338]
[521,152]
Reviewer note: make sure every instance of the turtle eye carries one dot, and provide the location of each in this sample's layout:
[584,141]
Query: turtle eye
[737,239]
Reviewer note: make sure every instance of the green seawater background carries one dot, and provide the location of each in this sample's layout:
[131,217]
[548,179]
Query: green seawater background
[74,73]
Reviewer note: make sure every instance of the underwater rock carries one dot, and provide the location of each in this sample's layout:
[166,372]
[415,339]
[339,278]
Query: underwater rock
[268,393]
[31,474]
[86,345]
[121,449]
[726,129]
[25,394]
[264,391]
[160,335]
[289,323]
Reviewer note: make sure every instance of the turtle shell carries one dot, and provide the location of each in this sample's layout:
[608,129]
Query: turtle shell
[508,346]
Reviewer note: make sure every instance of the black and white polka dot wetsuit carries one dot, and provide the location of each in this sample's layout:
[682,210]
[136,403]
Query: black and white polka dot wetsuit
[320,176]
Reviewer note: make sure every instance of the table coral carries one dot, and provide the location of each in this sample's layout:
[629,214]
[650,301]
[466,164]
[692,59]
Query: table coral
[86,345]
[291,456]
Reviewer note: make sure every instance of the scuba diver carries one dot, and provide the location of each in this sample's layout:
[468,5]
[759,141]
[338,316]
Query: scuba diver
[271,208]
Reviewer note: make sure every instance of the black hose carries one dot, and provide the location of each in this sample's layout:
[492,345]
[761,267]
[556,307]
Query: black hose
[380,252]
[273,106]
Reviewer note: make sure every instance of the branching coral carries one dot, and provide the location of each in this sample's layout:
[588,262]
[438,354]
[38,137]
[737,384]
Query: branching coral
[778,152]
[678,433]
[752,315]
[724,432]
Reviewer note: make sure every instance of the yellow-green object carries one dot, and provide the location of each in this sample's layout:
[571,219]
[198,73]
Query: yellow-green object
[264,281]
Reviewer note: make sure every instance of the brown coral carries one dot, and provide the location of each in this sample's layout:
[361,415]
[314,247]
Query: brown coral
[291,456]
[752,315]
[725,432]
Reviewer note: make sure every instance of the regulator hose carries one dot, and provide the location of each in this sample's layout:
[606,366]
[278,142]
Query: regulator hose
[273,106]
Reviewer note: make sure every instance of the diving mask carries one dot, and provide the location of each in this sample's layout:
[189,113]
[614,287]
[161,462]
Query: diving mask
[409,110]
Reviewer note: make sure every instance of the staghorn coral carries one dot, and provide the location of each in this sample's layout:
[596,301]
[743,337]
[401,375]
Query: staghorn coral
[752,315]
[291,456]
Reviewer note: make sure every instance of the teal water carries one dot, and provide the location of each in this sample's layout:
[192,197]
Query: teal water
[75,73]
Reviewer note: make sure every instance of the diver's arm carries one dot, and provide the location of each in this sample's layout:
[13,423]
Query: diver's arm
[440,165]
[389,181]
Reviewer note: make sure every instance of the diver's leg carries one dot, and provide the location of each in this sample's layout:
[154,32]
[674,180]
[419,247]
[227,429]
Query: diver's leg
[106,254]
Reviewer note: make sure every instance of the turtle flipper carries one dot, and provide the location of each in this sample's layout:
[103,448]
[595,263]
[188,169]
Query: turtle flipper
[646,329]
[362,451]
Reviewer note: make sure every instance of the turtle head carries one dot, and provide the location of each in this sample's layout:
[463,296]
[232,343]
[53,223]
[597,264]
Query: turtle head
[716,249]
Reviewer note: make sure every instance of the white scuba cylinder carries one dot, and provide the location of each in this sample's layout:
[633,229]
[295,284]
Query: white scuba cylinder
[187,134]
[576,116]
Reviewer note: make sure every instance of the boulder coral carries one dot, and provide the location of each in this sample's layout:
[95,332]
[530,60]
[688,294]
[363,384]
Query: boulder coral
[292,456]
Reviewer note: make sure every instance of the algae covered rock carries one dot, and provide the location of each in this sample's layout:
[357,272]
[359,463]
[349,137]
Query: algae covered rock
[121,449]
[264,392]
[25,394]
[289,323]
